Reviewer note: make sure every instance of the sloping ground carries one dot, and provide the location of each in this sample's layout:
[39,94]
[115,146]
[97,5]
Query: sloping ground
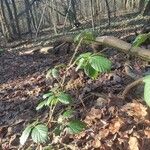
[111,122]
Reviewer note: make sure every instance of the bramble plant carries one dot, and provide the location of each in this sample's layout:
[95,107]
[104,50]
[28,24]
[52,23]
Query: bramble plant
[140,39]
[93,65]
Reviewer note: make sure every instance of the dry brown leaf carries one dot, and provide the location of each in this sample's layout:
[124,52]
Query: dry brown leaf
[136,110]
[96,143]
[92,116]
[103,133]
[133,143]
[75,84]
[115,125]
[147,132]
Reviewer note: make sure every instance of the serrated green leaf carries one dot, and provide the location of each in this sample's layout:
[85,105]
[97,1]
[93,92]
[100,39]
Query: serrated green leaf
[81,63]
[55,73]
[68,113]
[47,95]
[41,105]
[76,126]
[52,101]
[100,63]
[146,79]
[25,134]
[90,71]
[87,37]
[64,98]
[49,100]
[147,93]
[140,39]
[39,133]
[84,55]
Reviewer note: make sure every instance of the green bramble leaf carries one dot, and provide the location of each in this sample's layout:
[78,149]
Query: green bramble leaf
[25,134]
[146,79]
[87,37]
[90,71]
[64,98]
[147,93]
[81,63]
[140,39]
[76,126]
[39,133]
[41,105]
[47,95]
[100,64]
[68,113]
[55,73]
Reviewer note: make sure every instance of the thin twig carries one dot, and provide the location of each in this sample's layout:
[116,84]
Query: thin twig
[71,63]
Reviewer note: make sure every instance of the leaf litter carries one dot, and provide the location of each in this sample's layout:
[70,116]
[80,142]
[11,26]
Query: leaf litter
[112,123]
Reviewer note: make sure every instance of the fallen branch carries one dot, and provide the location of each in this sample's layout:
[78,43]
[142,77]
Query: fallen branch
[130,86]
[123,46]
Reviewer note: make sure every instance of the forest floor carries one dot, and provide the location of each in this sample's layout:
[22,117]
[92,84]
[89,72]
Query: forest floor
[112,123]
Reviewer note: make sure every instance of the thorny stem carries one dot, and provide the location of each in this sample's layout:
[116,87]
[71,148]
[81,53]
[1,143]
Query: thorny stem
[51,111]
[71,63]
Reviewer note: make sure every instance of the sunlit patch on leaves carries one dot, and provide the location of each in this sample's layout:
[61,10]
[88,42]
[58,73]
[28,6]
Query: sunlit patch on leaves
[115,125]
[93,116]
[137,110]
[38,132]
[76,126]
[133,143]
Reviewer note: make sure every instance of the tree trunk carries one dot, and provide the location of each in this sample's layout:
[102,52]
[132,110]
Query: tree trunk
[6,29]
[16,18]
[27,5]
[141,5]
[114,8]
[147,9]
[11,19]
[108,11]
[92,15]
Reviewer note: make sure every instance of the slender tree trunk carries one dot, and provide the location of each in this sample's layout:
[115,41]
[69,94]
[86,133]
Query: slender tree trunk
[141,5]
[147,9]
[92,15]
[16,18]
[108,11]
[115,8]
[11,19]
[27,5]
[6,29]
